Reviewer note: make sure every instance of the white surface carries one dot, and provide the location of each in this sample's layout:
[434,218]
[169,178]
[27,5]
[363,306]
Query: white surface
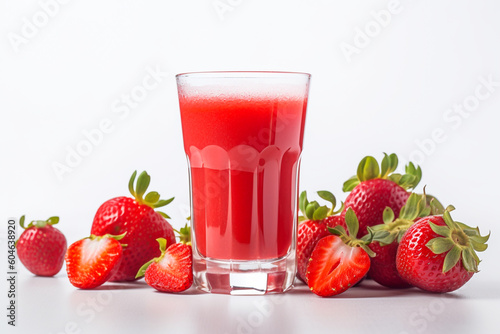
[137,308]
[398,92]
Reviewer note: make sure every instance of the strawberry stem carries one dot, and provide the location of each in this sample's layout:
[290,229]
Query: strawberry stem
[152,199]
[313,211]
[459,241]
[369,169]
[117,237]
[394,229]
[184,234]
[38,223]
[21,222]
[349,237]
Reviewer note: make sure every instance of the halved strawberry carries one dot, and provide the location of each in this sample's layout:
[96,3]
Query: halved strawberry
[339,261]
[313,227]
[172,271]
[91,261]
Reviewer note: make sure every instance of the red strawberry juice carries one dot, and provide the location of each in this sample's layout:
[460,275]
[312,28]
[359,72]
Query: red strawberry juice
[244,151]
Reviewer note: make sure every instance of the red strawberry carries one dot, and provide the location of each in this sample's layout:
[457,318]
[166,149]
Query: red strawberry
[41,247]
[172,271]
[313,227]
[339,261]
[438,254]
[138,218]
[387,236]
[91,261]
[374,188]
[383,270]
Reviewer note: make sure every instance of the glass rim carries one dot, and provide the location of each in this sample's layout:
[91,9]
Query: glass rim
[241,74]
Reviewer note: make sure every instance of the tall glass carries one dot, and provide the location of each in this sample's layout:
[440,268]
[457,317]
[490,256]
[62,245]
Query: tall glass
[243,134]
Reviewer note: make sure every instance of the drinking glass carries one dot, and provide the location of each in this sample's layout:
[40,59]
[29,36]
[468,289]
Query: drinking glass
[243,134]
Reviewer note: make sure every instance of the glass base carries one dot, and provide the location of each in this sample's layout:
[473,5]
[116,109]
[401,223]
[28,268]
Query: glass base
[255,277]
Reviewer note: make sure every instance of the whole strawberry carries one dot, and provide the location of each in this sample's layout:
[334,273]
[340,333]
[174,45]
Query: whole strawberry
[91,261]
[437,254]
[374,188]
[172,271]
[41,247]
[388,235]
[313,227]
[136,217]
[339,261]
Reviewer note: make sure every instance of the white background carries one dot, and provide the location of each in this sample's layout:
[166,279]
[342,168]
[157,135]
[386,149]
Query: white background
[69,72]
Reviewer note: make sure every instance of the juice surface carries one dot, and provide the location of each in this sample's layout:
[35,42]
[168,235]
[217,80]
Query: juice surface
[244,154]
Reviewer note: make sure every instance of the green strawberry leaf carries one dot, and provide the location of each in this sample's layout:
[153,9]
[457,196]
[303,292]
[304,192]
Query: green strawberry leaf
[328,196]
[131,184]
[21,222]
[479,239]
[142,184]
[410,210]
[416,172]
[451,259]
[479,247]
[321,213]
[441,230]
[425,212]
[142,270]
[368,169]
[53,220]
[388,165]
[388,215]
[436,207]
[350,184]
[152,197]
[383,237]
[468,260]
[440,245]
[368,250]
[303,202]
[162,242]
[162,202]
[310,208]
[407,181]
[337,230]
[163,214]
[448,220]
[395,177]
[184,234]
[352,223]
